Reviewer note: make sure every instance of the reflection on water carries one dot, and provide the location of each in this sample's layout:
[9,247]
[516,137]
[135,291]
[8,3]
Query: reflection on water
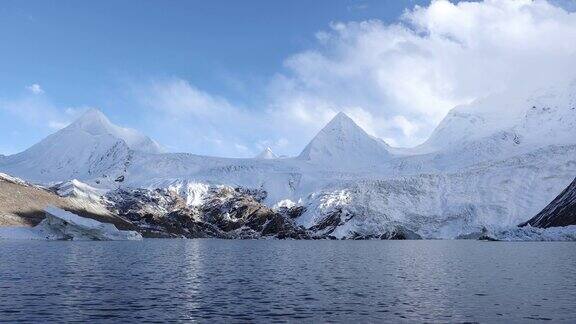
[266,281]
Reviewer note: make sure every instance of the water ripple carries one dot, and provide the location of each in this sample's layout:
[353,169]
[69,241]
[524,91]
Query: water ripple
[286,281]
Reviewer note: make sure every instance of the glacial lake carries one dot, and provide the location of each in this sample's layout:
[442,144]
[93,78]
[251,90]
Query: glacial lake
[295,281]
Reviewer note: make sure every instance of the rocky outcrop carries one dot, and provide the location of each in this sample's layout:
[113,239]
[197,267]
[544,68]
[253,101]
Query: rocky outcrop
[560,212]
[225,212]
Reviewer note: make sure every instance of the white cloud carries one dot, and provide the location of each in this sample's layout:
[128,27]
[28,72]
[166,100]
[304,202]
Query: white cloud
[195,121]
[405,125]
[437,57]
[39,111]
[396,80]
[56,125]
[35,88]
[179,98]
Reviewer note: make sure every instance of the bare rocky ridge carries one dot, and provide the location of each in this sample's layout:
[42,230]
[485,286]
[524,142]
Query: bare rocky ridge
[560,212]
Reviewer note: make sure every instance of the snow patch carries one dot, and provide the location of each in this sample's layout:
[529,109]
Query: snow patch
[193,192]
[9,178]
[77,189]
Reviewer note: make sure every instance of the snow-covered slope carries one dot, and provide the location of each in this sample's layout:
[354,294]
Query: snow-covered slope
[79,190]
[447,204]
[95,123]
[503,125]
[89,148]
[343,145]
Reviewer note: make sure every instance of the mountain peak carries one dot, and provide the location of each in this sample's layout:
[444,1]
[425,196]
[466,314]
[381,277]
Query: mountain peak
[342,143]
[93,112]
[342,123]
[509,120]
[90,146]
[94,122]
[341,117]
[267,154]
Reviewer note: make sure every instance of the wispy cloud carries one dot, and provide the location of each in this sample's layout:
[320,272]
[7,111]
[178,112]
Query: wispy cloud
[358,7]
[194,120]
[36,110]
[35,89]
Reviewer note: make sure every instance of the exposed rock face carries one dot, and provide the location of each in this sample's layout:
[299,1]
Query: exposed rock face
[224,213]
[227,212]
[560,212]
[328,224]
[147,209]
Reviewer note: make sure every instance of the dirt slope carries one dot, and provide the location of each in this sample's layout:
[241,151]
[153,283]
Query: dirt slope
[22,204]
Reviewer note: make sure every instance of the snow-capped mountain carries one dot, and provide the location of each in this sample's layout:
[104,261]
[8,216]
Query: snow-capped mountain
[89,148]
[95,123]
[343,145]
[503,125]
[266,154]
[495,162]
[560,212]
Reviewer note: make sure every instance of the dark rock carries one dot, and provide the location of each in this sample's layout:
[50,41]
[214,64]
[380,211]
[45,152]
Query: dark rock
[329,223]
[560,212]
[292,212]
[225,213]
[487,238]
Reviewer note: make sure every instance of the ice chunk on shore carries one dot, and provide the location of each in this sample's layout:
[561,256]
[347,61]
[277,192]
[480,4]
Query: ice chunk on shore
[529,233]
[62,225]
[526,233]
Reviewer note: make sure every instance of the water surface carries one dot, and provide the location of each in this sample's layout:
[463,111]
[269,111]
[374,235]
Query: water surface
[297,281]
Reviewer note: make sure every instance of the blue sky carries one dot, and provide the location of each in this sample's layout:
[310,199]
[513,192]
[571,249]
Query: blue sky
[231,77]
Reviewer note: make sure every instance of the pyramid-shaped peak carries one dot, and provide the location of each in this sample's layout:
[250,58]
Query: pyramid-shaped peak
[267,154]
[341,117]
[344,144]
[93,114]
[342,126]
[93,121]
